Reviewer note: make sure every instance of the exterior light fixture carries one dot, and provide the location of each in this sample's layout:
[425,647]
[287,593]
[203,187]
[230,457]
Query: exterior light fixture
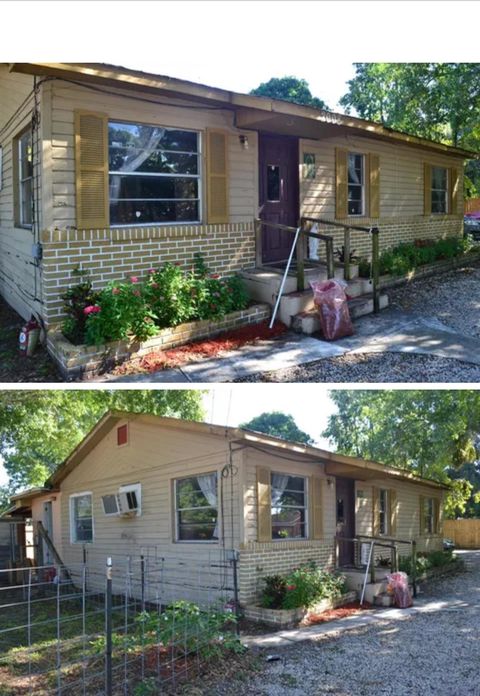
[243,141]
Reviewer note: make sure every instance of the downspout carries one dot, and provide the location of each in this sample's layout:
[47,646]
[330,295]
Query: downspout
[36,192]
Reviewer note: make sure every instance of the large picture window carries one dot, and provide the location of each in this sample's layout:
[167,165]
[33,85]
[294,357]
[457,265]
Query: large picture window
[81,518]
[289,506]
[154,174]
[196,508]
[356,184]
[439,190]
[25,179]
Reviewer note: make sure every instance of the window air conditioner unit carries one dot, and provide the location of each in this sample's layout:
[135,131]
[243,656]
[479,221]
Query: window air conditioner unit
[111,504]
[125,503]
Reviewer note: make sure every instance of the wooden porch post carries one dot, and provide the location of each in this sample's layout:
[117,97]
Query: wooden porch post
[376,268]
[346,253]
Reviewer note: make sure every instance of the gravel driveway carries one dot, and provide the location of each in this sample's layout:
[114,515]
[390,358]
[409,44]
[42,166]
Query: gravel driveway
[453,298]
[429,654]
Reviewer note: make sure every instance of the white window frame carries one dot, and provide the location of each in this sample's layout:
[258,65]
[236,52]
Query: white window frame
[429,516]
[137,489]
[386,495]
[73,540]
[362,185]
[306,532]
[21,181]
[176,510]
[447,191]
[199,176]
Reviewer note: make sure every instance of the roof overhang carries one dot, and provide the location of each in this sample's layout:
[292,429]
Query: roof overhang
[251,112]
[335,464]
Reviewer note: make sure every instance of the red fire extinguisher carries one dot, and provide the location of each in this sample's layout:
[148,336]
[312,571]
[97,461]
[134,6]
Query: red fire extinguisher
[28,338]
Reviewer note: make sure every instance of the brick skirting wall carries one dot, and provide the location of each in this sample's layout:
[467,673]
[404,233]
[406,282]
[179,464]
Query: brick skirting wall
[115,254]
[258,560]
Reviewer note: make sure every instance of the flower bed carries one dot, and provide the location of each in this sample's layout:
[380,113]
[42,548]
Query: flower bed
[286,618]
[75,361]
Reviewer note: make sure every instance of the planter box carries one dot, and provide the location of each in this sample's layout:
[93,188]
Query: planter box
[80,361]
[286,618]
[442,571]
[388,281]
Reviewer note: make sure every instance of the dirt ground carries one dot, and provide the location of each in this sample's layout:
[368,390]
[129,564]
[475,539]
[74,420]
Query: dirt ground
[13,366]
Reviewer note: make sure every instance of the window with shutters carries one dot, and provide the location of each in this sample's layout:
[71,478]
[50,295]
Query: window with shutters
[154,174]
[356,184]
[289,506]
[196,508]
[439,190]
[24,166]
[383,510]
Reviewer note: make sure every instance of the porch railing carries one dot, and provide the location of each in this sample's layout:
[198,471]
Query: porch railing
[306,224]
[391,543]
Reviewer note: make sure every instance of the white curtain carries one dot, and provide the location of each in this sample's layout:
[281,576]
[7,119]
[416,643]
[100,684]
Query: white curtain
[279,483]
[313,243]
[208,486]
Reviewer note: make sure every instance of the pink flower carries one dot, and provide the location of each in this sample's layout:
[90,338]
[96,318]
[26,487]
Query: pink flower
[134,279]
[154,285]
[115,291]
[91,309]
[291,587]
[214,276]
[136,293]
[151,270]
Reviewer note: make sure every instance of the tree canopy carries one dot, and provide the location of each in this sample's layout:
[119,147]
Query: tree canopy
[38,429]
[439,101]
[289,88]
[280,425]
[430,432]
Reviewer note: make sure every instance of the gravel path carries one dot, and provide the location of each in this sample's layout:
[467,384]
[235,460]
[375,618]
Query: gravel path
[452,297]
[429,654]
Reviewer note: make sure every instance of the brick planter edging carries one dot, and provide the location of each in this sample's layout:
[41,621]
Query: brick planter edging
[429,269]
[82,360]
[440,572]
[285,618]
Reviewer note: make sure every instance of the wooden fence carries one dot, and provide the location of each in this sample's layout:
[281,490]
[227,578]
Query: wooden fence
[472,205]
[465,533]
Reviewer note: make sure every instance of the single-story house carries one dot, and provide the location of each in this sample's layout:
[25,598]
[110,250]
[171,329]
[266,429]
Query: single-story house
[115,170]
[189,490]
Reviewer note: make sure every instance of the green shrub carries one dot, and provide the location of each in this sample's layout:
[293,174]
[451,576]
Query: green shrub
[302,587]
[405,257]
[425,561]
[75,299]
[166,298]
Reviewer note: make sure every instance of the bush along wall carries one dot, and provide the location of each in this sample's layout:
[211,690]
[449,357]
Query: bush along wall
[405,257]
[140,308]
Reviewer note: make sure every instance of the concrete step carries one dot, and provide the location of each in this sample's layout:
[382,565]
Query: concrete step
[299,302]
[308,321]
[385,599]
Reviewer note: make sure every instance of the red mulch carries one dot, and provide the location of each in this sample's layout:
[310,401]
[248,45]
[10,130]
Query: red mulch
[210,348]
[349,609]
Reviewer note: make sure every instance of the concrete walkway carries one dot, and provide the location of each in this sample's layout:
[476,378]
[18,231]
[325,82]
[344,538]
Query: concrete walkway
[452,601]
[391,331]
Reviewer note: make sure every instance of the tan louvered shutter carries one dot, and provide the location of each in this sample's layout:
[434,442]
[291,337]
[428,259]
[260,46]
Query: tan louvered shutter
[341,183]
[421,507]
[264,504]
[392,502]
[217,177]
[427,189]
[453,191]
[375,511]
[374,186]
[316,507]
[91,170]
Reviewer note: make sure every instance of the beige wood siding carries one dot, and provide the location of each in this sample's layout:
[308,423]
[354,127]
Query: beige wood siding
[65,98]
[38,516]
[153,457]
[401,177]
[408,511]
[16,272]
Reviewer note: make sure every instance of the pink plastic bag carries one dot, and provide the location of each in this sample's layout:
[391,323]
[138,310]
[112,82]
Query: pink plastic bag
[332,306]
[398,582]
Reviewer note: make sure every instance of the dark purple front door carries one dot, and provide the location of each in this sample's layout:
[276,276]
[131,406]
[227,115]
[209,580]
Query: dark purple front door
[345,501]
[278,178]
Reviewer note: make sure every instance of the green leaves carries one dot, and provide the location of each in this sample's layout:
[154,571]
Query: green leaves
[279,425]
[289,88]
[38,429]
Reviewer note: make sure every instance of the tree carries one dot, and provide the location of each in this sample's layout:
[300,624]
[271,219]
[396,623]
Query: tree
[439,101]
[289,88]
[280,425]
[428,432]
[38,429]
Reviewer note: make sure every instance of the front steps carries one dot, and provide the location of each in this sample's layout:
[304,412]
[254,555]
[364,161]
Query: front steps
[375,592]
[297,309]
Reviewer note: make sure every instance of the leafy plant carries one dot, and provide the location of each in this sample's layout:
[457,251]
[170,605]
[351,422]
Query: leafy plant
[75,300]
[407,256]
[302,587]
[425,561]
[340,253]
